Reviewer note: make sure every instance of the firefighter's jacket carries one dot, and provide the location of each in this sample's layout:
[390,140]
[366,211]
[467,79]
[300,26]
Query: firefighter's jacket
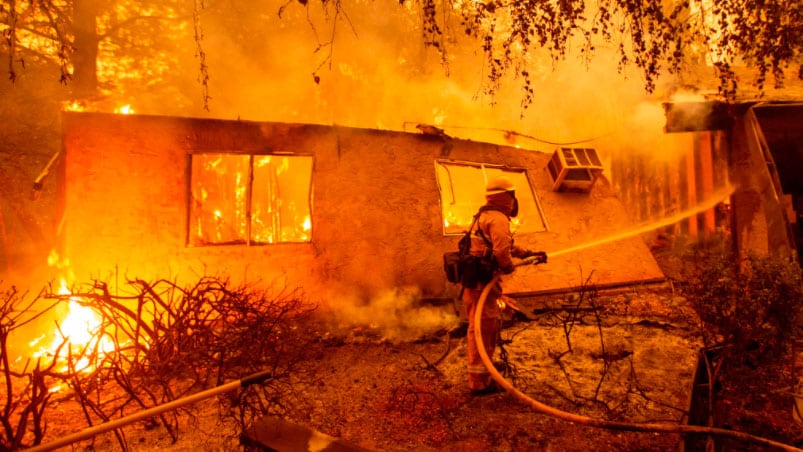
[495,226]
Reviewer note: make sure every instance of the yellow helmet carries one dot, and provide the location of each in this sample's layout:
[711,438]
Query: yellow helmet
[499,185]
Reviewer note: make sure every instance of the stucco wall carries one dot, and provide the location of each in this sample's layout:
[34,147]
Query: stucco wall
[376,221]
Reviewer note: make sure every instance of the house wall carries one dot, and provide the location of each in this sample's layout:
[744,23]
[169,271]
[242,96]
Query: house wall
[376,219]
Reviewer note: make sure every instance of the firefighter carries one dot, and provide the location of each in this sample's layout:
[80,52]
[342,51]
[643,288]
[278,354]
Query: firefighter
[493,225]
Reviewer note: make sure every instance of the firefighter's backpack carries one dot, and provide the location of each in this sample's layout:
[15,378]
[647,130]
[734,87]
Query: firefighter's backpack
[463,268]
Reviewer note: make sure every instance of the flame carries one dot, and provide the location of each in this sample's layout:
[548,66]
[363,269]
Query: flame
[124,110]
[260,199]
[73,106]
[78,328]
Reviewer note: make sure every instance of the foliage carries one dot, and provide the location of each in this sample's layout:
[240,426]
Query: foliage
[765,35]
[749,310]
[140,39]
[752,306]
[655,37]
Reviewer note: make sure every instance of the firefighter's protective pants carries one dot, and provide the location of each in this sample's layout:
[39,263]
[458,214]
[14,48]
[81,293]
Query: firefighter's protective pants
[478,376]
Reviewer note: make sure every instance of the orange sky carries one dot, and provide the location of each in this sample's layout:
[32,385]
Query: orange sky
[381,77]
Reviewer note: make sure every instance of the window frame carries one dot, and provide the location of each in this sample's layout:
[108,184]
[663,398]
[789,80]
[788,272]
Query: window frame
[248,241]
[483,167]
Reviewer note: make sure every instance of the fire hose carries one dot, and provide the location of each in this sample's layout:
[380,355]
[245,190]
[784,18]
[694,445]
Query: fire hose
[590,421]
[254,378]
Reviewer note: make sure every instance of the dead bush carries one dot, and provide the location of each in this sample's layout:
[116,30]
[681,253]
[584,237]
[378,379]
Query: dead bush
[749,305]
[168,342]
[749,311]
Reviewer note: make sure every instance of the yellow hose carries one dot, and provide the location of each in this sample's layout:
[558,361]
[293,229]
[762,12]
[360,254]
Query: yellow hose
[589,421]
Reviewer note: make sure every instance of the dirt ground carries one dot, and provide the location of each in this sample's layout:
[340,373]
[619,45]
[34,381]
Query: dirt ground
[388,395]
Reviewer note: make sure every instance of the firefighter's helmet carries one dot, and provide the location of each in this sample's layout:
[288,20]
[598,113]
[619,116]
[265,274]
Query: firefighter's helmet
[499,185]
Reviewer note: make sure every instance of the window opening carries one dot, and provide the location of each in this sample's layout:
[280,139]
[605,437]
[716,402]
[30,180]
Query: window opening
[462,192]
[249,199]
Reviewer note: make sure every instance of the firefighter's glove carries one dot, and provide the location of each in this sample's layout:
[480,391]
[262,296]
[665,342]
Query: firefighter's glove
[539,256]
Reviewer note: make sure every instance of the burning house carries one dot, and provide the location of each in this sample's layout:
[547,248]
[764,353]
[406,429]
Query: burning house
[328,209]
[340,210]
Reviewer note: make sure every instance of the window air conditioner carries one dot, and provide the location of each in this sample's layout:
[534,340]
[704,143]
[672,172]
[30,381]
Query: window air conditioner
[574,169]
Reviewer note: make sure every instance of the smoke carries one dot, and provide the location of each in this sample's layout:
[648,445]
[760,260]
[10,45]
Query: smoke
[376,73]
[396,314]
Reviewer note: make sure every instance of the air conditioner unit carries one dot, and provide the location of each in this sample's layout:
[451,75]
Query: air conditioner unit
[574,169]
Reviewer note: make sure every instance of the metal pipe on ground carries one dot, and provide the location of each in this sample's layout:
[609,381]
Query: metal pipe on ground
[258,377]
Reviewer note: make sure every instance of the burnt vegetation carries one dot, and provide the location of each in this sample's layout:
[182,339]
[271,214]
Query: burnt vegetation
[158,343]
[605,391]
[749,311]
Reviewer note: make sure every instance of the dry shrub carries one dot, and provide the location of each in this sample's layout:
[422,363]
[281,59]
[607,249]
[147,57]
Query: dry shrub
[749,311]
[750,305]
[25,390]
[169,342]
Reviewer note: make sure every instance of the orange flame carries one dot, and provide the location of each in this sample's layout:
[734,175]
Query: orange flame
[124,110]
[78,328]
[73,106]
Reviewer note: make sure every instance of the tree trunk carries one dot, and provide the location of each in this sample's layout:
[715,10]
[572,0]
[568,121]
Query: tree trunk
[85,56]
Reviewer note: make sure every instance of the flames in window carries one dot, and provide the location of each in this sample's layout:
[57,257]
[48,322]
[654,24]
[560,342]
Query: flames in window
[462,193]
[250,199]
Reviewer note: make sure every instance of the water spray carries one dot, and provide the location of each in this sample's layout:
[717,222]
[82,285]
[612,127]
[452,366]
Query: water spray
[715,199]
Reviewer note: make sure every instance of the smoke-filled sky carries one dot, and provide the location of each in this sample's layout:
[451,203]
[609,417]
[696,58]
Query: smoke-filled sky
[381,76]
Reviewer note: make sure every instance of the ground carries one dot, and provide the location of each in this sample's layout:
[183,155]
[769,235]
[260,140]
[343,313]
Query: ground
[411,395]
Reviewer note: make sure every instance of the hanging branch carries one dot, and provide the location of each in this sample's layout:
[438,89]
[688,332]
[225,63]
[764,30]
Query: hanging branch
[11,38]
[200,53]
